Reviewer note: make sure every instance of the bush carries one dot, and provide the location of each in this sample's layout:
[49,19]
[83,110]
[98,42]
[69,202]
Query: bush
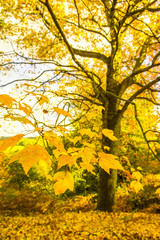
[130,199]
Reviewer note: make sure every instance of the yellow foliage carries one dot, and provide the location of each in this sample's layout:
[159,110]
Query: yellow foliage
[137,175]
[6,100]
[87,132]
[54,140]
[61,111]
[22,120]
[30,156]
[109,133]
[64,181]
[108,161]
[10,142]
[136,186]
[65,160]
[25,108]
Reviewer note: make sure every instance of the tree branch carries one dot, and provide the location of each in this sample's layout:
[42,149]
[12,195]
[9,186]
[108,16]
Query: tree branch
[89,54]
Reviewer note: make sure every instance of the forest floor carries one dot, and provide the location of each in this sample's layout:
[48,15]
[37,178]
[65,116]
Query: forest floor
[75,218]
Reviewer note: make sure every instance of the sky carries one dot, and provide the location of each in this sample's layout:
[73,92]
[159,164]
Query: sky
[10,128]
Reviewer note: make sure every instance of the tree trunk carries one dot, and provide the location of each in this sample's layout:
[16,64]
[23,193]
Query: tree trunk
[107,182]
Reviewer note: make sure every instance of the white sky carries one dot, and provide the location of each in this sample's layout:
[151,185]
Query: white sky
[8,128]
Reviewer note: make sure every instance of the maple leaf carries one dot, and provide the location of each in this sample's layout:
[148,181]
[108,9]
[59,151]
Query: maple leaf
[10,142]
[87,132]
[109,133]
[55,141]
[87,166]
[6,100]
[63,112]
[64,180]
[108,161]
[64,160]
[30,156]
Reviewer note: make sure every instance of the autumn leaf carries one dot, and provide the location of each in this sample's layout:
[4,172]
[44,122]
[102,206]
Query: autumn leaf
[6,100]
[87,132]
[30,156]
[25,108]
[65,160]
[43,99]
[109,133]
[10,142]
[54,140]
[23,120]
[89,167]
[108,161]
[137,175]
[64,180]
[86,154]
[158,192]
[63,112]
[136,186]
[75,139]
[62,128]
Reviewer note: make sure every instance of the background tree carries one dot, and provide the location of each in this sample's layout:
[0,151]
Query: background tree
[104,53]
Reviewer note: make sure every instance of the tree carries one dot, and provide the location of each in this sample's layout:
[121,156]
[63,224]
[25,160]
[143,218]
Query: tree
[108,50]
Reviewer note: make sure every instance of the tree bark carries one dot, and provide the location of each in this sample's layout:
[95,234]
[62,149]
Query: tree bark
[108,182]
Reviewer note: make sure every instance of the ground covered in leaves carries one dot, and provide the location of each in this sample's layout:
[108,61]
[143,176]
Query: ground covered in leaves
[75,218]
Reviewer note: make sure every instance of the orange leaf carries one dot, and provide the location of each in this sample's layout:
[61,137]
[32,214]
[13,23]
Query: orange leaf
[30,156]
[6,100]
[63,112]
[26,108]
[10,142]
[43,100]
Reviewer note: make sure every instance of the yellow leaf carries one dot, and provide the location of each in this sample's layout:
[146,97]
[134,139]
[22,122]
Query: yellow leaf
[30,156]
[64,160]
[64,181]
[62,129]
[108,161]
[136,185]
[55,141]
[137,175]
[87,166]
[20,119]
[43,100]
[10,142]
[63,112]
[158,191]
[87,154]
[87,132]
[75,140]
[109,133]
[106,148]
[6,100]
